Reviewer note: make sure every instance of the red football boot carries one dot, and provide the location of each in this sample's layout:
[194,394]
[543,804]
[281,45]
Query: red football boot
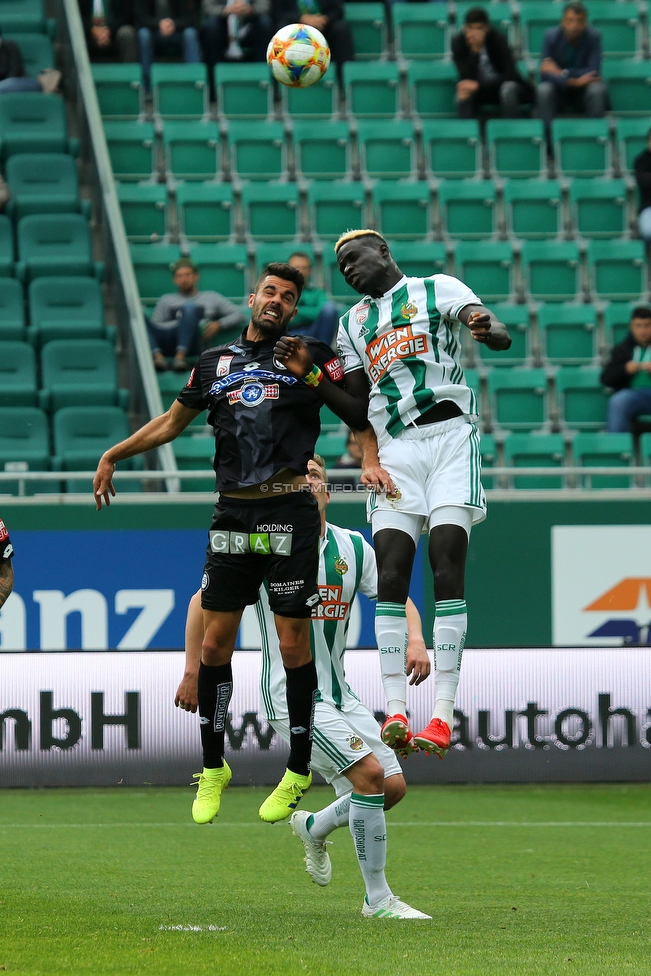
[435,737]
[396,734]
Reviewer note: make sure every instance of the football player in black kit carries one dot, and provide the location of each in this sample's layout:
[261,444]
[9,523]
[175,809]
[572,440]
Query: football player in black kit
[265,527]
[6,569]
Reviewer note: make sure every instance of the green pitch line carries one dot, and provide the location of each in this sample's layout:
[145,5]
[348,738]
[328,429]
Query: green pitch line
[101,882]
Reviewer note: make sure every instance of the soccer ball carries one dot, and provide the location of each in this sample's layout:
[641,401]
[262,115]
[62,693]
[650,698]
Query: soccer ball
[298,55]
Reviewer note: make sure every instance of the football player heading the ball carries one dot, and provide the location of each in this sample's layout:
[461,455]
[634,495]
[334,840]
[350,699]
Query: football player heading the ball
[400,350]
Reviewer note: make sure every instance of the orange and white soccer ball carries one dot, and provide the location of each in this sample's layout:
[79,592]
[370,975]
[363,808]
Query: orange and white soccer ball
[298,55]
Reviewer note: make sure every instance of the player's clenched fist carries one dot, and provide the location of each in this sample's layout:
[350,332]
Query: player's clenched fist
[479,324]
[293,353]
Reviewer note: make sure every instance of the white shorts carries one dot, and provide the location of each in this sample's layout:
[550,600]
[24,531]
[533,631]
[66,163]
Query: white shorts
[435,466]
[342,738]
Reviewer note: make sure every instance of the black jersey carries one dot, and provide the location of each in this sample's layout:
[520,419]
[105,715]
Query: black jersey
[6,548]
[264,418]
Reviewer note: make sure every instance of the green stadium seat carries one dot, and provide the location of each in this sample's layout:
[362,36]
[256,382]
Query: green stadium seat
[24,446]
[329,420]
[645,451]
[80,372]
[487,268]
[143,208]
[629,86]
[516,319]
[432,89]
[605,451]
[12,313]
[617,321]
[170,385]
[258,150]
[6,247]
[66,308]
[386,152]
[55,244]
[244,91]
[617,269]
[318,102]
[582,147]
[535,450]
[132,149]
[598,207]
[333,207]
[33,122]
[22,16]
[192,150]
[372,89]
[500,15]
[266,253]
[42,183]
[551,270]
[36,49]
[402,210]
[420,30]
[119,90]
[223,268]
[152,265]
[271,211]
[331,446]
[535,20]
[568,333]
[468,208]
[620,26]
[516,147]
[632,139]
[582,400]
[533,208]
[17,375]
[82,434]
[369,29]
[323,151]
[194,453]
[334,281]
[420,259]
[180,91]
[488,451]
[452,149]
[206,211]
[518,398]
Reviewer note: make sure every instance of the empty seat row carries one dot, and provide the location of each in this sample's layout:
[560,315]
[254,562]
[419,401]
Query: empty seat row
[43,183]
[25,16]
[33,122]
[57,308]
[48,244]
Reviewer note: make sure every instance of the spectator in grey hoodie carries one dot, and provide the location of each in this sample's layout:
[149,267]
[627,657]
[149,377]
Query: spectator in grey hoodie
[180,318]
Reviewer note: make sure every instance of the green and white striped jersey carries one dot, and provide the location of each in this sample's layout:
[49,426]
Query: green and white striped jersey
[346,565]
[407,342]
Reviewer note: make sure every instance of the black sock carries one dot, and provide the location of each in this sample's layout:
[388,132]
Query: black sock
[301,692]
[215,687]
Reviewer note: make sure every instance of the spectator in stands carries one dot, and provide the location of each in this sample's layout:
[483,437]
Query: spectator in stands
[109,28]
[317,315]
[628,372]
[180,318]
[643,179]
[352,457]
[235,30]
[326,15]
[487,70]
[166,27]
[12,72]
[570,66]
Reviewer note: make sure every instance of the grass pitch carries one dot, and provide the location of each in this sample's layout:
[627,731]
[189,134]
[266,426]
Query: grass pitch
[520,880]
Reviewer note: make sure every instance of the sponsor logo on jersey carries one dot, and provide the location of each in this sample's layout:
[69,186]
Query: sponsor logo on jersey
[332,607]
[341,566]
[9,551]
[398,343]
[362,313]
[334,370]
[3,531]
[354,742]
[205,581]
[224,365]
[408,311]
[253,393]
[264,375]
[259,543]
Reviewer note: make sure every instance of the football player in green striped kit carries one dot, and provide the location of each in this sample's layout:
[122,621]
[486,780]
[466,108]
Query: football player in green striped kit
[400,349]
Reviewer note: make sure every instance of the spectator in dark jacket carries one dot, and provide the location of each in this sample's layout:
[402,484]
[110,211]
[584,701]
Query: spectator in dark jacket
[326,15]
[643,180]
[628,372]
[166,26]
[235,30]
[110,31]
[487,71]
[570,68]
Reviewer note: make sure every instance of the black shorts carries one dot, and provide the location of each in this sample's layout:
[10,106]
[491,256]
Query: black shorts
[250,540]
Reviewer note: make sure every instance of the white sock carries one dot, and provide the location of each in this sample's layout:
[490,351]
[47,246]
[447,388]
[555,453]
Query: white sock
[449,638]
[369,829]
[323,822]
[391,636]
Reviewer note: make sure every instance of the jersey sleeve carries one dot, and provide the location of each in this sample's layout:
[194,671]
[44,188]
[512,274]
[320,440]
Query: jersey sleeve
[6,548]
[328,361]
[368,579]
[452,295]
[348,355]
[191,395]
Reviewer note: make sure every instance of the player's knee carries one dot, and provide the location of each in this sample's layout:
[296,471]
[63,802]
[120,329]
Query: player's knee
[394,790]
[294,650]
[367,776]
[393,586]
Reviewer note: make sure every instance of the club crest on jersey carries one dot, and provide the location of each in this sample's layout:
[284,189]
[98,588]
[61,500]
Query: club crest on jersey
[253,393]
[408,311]
[224,365]
[341,566]
[355,742]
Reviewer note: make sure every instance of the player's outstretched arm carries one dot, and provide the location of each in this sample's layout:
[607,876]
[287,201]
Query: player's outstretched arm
[186,694]
[485,327]
[158,431]
[418,662]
